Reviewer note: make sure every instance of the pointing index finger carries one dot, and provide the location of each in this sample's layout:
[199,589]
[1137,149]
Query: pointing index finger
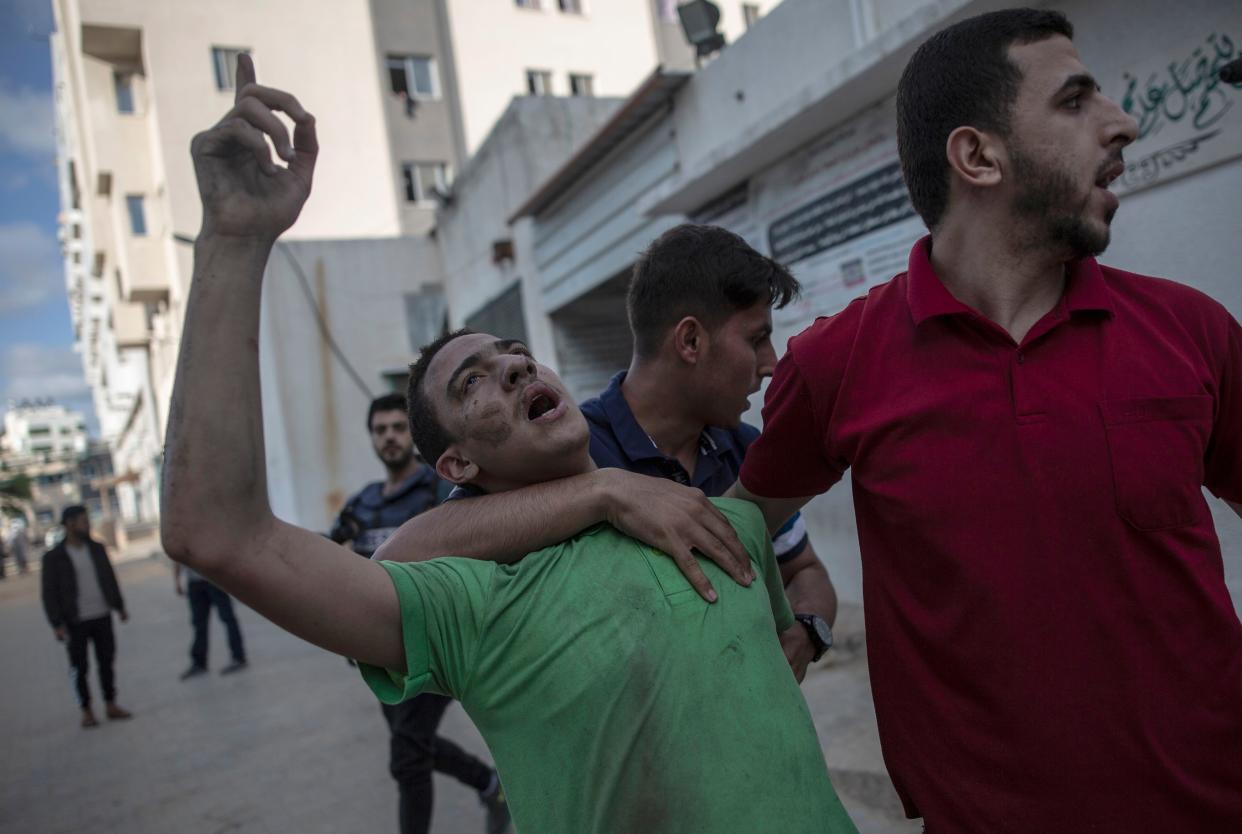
[245,74]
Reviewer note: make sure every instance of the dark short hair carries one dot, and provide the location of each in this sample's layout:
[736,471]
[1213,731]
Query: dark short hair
[388,402]
[702,271]
[71,512]
[961,76]
[430,435]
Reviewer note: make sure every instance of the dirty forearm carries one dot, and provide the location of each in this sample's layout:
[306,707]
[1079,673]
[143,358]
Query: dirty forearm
[215,485]
[503,527]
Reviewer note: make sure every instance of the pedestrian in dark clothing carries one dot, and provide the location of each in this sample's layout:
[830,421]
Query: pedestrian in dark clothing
[80,592]
[204,596]
[368,519]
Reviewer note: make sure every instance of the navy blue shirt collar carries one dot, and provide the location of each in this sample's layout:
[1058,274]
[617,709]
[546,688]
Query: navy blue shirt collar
[637,445]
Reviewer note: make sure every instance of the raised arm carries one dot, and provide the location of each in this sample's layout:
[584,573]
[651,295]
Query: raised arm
[504,527]
[215,516]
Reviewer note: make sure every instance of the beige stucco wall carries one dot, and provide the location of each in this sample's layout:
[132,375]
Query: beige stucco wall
[316,49]
[431,133]
[495,42]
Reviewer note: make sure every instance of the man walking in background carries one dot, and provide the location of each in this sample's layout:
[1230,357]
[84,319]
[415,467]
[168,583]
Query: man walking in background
[80,592]
[368,519]
[204,596]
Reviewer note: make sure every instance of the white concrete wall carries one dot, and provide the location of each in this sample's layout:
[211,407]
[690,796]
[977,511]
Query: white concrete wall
[778,59]
[494,42]
[529,143]
[314,414]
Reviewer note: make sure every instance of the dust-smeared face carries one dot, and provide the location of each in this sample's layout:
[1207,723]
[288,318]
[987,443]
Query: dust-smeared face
[510,415]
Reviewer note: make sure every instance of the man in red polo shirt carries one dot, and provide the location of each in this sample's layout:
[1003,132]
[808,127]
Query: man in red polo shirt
[1053,648]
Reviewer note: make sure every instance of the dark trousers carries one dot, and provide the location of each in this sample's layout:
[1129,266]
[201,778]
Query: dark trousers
[203,596]
[99,632]
[415,751]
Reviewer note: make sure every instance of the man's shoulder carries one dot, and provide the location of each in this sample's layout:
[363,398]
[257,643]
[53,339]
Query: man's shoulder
[747,519]
[831,338]
[1162,302]
[370,491]
[1160,291]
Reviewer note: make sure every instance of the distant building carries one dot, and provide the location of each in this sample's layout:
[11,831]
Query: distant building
[47,444]
[42,429]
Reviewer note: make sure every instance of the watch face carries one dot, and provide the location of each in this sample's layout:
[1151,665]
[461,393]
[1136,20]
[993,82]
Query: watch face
[820,628]
[823,630]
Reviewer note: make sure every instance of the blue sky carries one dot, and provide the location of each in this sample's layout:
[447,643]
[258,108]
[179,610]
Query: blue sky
[36,335]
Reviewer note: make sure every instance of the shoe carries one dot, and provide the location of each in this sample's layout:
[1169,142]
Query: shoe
[498,819]
[88,718]
[235,666]
[116,713]
[193,672]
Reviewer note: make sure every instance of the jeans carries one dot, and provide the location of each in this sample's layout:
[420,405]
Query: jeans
[203,595]
[99,632]
[415,751]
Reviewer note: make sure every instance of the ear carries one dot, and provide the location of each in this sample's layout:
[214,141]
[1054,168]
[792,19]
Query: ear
[690,340]
[975,156]
[454,467]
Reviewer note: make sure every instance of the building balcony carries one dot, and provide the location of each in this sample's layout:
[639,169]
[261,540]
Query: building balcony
[129,323]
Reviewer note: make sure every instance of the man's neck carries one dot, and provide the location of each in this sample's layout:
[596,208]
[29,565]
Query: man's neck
[656,395]
[1001,272]
[396,477]
[76,541]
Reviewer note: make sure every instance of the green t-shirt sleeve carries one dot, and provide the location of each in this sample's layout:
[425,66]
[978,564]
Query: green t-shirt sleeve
[747,520]
[443,610]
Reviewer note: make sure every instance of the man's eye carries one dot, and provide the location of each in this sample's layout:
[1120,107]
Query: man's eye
[1074,103]
[470,379]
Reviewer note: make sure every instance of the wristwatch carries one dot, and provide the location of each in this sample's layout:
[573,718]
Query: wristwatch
[820,632]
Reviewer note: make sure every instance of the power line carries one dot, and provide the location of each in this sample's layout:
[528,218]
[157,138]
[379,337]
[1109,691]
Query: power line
[324,331]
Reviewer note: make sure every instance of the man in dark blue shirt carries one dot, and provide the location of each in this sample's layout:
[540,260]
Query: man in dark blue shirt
[699,307]
[617,440]
[367,520]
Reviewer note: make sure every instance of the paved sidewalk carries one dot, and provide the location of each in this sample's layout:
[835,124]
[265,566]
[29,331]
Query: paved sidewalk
[295,743]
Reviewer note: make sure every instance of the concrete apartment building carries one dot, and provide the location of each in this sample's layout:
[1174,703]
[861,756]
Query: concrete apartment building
[48,445]
[788,138]
[404,93]
[42,428]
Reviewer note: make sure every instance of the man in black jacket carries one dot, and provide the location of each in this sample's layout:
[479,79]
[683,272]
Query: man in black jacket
[80,592]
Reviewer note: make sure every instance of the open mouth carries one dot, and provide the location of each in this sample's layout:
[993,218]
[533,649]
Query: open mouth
[1110,173]
[539,400]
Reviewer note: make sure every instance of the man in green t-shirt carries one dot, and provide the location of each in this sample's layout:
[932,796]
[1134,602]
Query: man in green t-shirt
[614,698]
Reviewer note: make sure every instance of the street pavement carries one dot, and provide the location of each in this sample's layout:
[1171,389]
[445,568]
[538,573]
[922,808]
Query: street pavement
[294,743]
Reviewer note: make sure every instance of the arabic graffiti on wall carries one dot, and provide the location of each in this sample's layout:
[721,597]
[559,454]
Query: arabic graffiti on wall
[1187,116]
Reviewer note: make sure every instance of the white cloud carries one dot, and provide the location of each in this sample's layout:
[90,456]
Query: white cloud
[30,371]
[31,269]
[26,124]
